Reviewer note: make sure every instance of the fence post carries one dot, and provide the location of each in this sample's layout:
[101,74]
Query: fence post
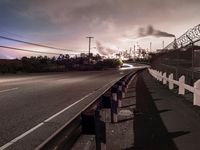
[181,89]
[164,78]
[160,76]
[196,100]
[157,75]
[171,84]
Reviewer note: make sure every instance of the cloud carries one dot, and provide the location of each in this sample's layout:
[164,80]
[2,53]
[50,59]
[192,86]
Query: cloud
[67,22]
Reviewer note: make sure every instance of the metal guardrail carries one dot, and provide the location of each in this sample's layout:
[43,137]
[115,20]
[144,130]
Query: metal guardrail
[162,77]
[67,135]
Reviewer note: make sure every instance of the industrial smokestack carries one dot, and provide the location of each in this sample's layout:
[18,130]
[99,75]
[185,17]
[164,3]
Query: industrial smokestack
[150,46]
[163,44]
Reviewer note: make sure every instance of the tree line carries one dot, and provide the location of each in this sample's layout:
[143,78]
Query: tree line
[57,64]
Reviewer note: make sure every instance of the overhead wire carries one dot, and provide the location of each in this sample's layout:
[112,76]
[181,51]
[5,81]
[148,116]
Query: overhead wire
[27,50]
[35,44]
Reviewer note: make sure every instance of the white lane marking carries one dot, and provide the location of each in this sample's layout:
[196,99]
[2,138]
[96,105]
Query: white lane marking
[40,124]
[8,90]
[20,137]
[67,108]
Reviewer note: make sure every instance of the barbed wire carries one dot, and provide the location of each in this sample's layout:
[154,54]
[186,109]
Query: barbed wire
[191,36]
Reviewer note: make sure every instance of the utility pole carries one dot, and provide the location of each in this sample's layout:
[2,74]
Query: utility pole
[89,48]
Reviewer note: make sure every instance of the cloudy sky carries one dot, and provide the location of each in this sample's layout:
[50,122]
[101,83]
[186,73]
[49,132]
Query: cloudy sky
[114,23]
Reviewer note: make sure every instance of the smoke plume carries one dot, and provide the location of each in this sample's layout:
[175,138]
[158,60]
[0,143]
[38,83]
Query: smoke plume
[104,50]
[150,31]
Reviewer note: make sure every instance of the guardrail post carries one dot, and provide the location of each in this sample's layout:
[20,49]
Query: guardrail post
[123,88]
[181,89]
[88,122]
[126,84]
[119,94]
[196,100]
[93,123]
[100,131]
[114,104]
[171,84]
[106,101]
[164,78]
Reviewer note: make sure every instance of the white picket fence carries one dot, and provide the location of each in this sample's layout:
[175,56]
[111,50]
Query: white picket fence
[162,77]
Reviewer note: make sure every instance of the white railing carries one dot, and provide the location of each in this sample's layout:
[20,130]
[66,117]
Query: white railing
[162,77]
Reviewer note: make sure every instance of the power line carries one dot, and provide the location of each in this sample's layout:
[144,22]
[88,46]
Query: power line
[26,50]
[14,34]
[35,44]
[34,41]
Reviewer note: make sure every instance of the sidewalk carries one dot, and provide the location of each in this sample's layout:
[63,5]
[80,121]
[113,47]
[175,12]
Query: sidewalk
[164,120]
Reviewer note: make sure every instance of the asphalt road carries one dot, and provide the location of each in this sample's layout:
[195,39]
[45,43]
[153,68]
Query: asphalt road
[27,100]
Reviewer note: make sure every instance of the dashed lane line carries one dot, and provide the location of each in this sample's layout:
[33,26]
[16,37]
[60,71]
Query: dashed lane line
[8,90]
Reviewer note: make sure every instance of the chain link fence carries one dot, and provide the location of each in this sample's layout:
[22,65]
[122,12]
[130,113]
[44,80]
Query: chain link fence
[182,61]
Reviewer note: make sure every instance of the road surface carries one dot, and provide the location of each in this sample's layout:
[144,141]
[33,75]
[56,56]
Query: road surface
[28,100]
